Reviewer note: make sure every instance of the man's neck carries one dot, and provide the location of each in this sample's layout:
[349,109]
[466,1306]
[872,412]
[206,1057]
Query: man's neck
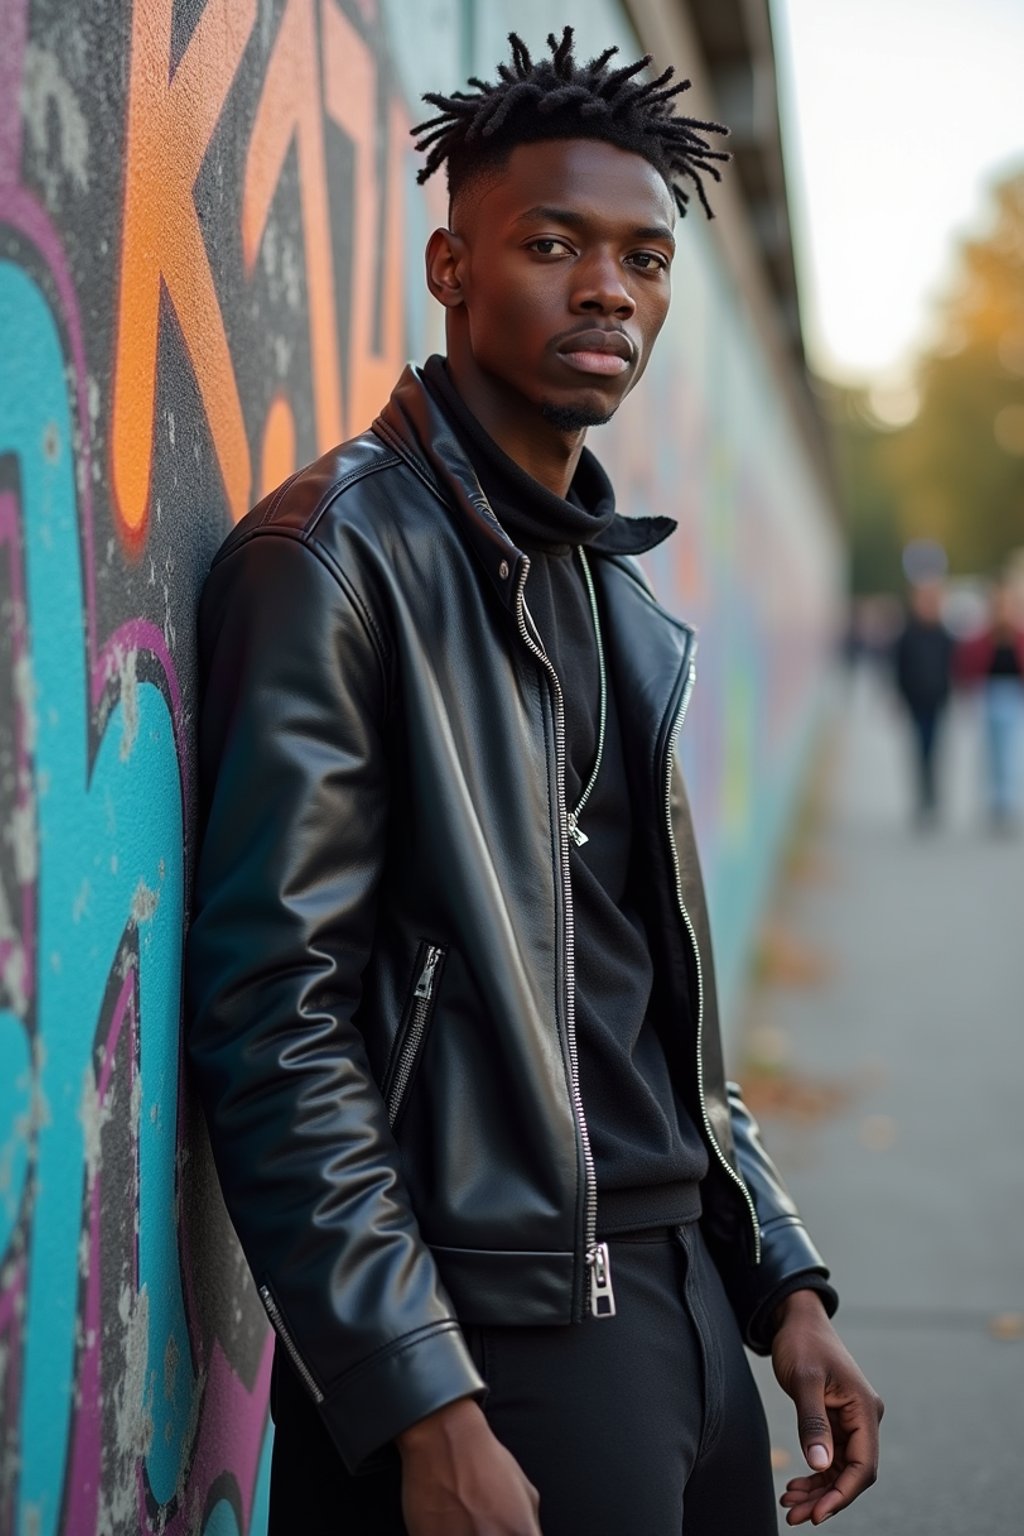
[542,450]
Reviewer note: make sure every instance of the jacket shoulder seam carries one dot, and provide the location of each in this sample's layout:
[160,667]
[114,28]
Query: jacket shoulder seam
[321,555]
[420,470]
[360,472]
[351,477]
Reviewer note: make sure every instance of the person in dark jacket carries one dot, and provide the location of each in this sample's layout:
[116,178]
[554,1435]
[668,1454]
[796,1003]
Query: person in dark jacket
[923,675]
[452,1001]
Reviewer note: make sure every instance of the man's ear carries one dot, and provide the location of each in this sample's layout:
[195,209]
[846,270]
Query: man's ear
[445,259]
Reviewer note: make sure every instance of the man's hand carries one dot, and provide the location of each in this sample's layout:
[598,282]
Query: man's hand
[459,1480]
[837,1412]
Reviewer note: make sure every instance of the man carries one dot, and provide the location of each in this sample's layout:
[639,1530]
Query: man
[453,1011]
[923,670]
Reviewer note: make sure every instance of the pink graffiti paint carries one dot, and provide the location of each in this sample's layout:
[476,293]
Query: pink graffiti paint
[84,1459]
[230,1433]
[12,1304]
[14,31]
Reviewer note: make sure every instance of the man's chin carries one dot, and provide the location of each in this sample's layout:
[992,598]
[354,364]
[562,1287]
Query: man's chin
[575,418]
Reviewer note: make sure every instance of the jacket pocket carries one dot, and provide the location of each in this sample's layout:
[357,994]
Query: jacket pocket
[413,1030]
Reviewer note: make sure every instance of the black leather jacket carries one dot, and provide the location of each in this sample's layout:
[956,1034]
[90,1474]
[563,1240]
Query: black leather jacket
[380,962]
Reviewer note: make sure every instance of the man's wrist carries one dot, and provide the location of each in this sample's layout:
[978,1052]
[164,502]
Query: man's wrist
[803,1303]
[446,1424]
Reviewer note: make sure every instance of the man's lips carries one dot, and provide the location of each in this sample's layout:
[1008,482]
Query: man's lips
[596,351]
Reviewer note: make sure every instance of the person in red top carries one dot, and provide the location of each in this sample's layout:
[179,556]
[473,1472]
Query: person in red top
[993,660]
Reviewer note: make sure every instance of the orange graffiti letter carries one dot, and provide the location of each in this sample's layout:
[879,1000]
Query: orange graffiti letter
[350,96]
[170,124]
[290,107]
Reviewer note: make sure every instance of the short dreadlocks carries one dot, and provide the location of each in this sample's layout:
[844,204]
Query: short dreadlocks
[558,98]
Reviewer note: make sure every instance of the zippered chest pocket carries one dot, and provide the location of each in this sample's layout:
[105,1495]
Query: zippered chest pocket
[413,1030]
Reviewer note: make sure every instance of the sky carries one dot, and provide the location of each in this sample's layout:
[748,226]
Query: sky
[896,115]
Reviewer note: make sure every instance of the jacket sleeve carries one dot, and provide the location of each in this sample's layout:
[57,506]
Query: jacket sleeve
[789,1259]
[294,797]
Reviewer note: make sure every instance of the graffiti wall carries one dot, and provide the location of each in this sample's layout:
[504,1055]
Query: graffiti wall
[210,269]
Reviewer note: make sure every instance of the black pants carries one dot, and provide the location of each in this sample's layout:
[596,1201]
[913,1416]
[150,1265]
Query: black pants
[646,1424]
[925,720]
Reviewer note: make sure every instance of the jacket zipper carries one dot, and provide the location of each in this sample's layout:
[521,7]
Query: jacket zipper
[730,1170]
[422,999]
[279,1327]
[601,1295]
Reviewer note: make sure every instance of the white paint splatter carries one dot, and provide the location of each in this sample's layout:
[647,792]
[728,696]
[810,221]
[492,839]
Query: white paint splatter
[13,970]
[283,350]
[80,905]
[44,83]
[129,682]
[268,251]
[39,1108]
[24,684]
[144,902]
[93,1115]
[21,834]
[291,273]
[133,1418]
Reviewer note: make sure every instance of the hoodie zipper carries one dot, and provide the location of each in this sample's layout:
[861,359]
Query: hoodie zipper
[423,997]
[677,727]
[601,1296]
[278,1324]
[578,836]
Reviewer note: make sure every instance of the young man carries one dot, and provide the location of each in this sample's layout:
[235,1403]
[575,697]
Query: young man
[452,1004]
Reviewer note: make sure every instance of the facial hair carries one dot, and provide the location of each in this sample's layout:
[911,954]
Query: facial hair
[572,418]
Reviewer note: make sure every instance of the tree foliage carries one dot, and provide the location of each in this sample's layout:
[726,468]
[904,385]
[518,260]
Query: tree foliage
[955,473]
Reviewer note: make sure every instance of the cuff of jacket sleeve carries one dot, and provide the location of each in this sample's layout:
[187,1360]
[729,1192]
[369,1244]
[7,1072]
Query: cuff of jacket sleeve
[398,1386]
[787,1254]
[761,1327]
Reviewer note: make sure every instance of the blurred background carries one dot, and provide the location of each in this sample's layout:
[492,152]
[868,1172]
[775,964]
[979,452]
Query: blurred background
[211,271]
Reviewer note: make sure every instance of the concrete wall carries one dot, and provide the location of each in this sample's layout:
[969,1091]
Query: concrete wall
[209,271]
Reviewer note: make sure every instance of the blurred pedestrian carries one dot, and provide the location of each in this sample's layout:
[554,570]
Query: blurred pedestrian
[994,661]
[922,672]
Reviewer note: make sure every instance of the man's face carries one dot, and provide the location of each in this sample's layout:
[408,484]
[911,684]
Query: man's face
[564,268]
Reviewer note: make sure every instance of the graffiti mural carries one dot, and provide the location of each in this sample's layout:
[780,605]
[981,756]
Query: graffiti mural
[192,200]
[210,271]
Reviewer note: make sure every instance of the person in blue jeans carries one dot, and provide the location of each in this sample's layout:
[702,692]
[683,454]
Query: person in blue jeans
[994,660]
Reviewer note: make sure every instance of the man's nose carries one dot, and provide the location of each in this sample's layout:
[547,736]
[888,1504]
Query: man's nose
[602,289]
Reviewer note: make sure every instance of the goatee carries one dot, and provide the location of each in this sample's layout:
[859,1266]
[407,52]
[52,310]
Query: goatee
[573,418]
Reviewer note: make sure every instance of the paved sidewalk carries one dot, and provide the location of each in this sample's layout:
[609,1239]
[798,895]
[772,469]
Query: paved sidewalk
[898,1119]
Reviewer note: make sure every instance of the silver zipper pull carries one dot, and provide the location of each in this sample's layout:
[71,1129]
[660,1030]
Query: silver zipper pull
[578,837]
[425,985]
[602,1296]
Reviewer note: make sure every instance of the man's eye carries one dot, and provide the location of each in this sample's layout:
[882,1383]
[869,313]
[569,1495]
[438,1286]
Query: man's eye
[649,261]
[547,246]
